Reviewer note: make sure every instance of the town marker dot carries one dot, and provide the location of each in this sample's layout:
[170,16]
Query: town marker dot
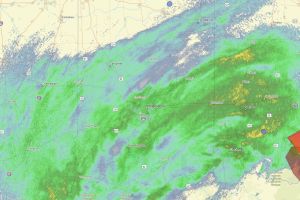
[169,3]
[263,131]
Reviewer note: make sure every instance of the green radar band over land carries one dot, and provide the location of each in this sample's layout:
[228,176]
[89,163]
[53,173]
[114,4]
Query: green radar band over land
[225,113]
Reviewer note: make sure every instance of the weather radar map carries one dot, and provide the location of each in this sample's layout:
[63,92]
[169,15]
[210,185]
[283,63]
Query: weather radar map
[149,99]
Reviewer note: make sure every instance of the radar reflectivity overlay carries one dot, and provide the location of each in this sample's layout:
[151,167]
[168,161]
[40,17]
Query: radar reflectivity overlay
[150,100]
